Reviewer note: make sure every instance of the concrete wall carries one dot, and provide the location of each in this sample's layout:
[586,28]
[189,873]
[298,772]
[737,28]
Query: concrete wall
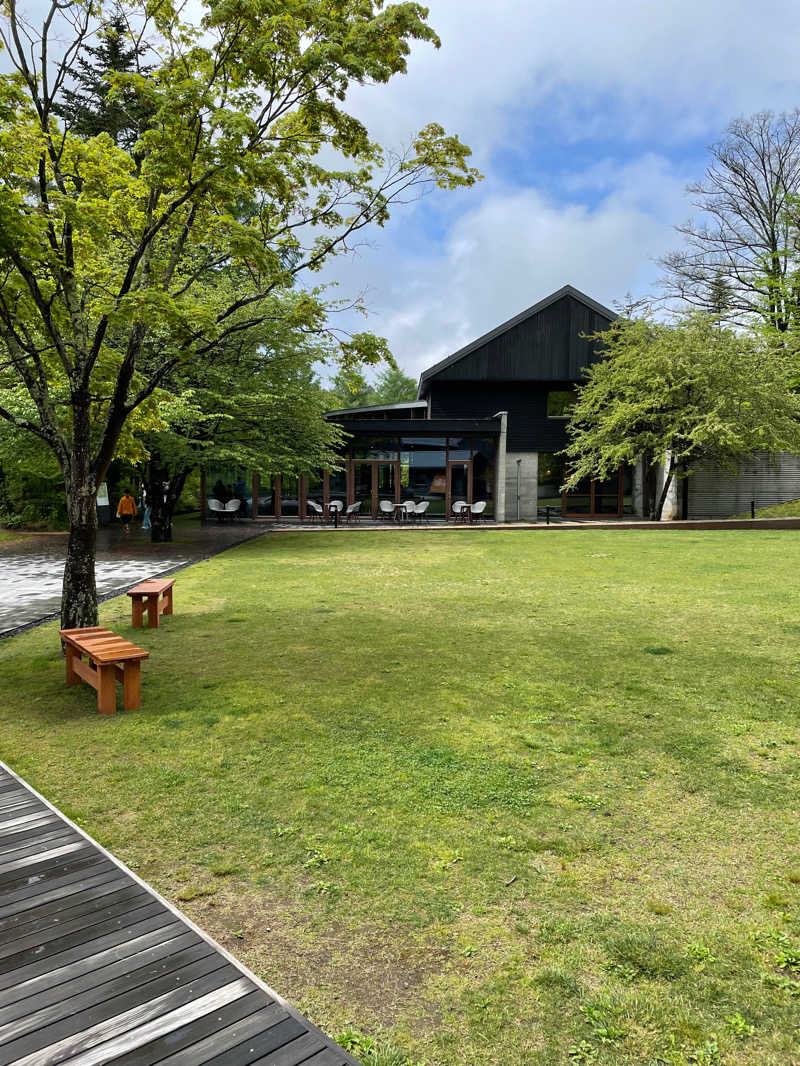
[528,485]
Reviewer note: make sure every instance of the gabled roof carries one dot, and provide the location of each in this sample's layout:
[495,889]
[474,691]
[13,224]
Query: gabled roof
[566,290]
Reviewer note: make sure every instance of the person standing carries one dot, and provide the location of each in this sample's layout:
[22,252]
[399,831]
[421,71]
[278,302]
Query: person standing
[126,509]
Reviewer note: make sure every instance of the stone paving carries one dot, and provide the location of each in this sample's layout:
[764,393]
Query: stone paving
[31,570]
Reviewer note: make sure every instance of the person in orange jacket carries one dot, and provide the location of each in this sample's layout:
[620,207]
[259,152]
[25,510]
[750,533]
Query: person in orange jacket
[126,508]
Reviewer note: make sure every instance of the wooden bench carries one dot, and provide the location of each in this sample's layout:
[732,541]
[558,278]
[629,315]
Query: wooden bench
[153,595]
[110,659]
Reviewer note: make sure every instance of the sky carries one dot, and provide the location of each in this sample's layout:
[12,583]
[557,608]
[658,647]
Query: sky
[587,121]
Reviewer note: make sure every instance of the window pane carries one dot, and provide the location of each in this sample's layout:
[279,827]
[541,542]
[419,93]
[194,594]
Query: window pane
[290,486]
[338,485]
[423,471]
[483,467]
[266,495]
[374,448]
[551,475]
[559,402]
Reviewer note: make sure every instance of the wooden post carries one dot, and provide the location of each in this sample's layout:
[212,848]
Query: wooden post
[278,483]
[202,495]
[302,496]
[326,490]
[71,654]
[132,685]
[168,600]
[106,694]
[152,610]
[256,487]
[136,612]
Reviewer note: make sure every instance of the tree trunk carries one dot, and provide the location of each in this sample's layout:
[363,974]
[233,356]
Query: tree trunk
[79,591]
[662,499]
[163,492]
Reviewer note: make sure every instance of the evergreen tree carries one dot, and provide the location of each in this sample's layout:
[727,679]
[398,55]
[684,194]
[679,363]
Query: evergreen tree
[90,107]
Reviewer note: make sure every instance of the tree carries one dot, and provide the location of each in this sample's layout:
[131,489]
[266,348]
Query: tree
[681,394]
[117,266]
[95,105]
[257,405]
[740,256]
[349,388]
[394,386]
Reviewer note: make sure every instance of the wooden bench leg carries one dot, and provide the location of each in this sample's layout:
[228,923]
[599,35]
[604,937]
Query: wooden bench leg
[132,685]
[106,692]
[72,655]
[168,601]
[136,619]
[152,612]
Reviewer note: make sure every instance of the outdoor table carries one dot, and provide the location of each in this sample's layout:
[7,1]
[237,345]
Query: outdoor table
[399,511]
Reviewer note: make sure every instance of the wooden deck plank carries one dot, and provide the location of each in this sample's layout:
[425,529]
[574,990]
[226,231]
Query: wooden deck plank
[68,907]
[189,1036]
[32,996]
[96,968]
[57,888]
[58,927]
[166,938]
[39,1017]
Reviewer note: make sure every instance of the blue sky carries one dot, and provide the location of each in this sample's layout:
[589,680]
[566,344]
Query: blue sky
[587,120]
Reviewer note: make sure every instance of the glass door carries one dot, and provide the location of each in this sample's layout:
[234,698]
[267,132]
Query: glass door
[459,483]
[386,484]
[594,499]
[362,486]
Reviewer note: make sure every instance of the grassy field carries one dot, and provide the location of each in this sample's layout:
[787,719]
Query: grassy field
[501,798]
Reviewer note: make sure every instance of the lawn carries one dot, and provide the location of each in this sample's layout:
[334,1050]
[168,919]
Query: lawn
[503,798]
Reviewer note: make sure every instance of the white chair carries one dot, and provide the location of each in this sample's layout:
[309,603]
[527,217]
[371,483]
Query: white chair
[459,510]
[315,510]
[335,505]
[386,509]
[421,509]
[409,510]
[232,508]
[216,507]
[477,509]
[353,512]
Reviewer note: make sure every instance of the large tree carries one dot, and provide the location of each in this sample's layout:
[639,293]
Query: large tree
[257,405]
[739,257]
[110,258]
[681,394]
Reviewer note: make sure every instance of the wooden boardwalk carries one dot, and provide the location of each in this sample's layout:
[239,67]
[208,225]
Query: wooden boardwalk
[96,968]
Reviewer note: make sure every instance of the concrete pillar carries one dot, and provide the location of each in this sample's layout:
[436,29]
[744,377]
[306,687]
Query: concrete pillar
[500,469]
[527,465]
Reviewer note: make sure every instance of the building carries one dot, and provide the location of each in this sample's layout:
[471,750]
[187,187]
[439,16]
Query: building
[489,423]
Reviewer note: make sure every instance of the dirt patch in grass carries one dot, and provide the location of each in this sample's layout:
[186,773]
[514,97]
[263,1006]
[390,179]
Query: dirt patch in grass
[335,973]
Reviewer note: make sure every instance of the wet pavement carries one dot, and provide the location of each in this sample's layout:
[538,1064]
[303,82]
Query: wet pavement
[31,570]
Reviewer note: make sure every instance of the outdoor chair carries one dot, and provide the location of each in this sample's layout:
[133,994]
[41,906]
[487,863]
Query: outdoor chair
[353,512]
[335,505]
[477,510]
[421,510]
[460,508]
[409,510]
[216,508]
[315,511]
[386,509]
[232,508]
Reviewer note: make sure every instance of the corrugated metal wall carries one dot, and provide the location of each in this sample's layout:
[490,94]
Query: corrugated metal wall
[715,494]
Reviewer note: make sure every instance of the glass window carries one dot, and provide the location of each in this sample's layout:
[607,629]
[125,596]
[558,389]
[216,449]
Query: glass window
[551,475]
[627,490]
[290,495]
[266,495]
[483,466]
[225,483]
[338,485]
[374,447]
[460,448]
[423,471]
[560,402]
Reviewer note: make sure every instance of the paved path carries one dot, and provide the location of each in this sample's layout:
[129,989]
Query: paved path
[32,569]
[96,968]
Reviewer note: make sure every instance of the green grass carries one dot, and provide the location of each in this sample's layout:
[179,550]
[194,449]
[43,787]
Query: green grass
[791,509]
[496,797]
[10,534]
